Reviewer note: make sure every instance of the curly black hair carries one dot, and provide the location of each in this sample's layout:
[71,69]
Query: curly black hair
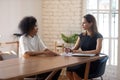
[27,24]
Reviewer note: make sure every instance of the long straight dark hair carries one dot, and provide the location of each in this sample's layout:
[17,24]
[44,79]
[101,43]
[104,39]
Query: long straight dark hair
[91,19]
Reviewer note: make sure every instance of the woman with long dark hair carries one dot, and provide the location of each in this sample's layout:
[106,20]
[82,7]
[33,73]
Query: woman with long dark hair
[89,41]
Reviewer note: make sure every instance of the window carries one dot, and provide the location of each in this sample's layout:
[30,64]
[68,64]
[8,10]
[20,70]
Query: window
[106,13]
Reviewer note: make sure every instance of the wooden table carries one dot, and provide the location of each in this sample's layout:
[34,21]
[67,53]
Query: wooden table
[19,68]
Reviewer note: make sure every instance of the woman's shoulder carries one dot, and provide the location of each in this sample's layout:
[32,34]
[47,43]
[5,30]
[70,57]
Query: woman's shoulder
[81,34]
[98,35]
[23,37]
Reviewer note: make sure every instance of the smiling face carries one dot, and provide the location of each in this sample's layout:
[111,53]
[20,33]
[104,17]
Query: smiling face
[86,25]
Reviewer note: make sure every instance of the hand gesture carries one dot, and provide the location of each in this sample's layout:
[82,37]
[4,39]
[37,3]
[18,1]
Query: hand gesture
[67,50]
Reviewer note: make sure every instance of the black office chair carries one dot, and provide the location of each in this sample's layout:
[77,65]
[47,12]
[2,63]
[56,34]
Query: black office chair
[97,68]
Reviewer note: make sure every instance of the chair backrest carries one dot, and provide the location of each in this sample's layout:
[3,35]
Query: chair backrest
[97,68]
[5,56]
[15,43]
[59,47]
[9,47]
[9,50]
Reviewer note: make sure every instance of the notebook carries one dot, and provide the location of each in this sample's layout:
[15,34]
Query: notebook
[80,54]
[77,54]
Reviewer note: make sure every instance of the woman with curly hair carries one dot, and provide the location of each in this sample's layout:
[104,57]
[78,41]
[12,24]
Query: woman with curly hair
[30,44]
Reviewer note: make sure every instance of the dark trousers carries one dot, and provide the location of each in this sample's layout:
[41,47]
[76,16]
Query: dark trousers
[43,76]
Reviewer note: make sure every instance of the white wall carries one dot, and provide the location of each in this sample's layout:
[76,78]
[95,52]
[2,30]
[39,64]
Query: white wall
[60,16]
[12,11]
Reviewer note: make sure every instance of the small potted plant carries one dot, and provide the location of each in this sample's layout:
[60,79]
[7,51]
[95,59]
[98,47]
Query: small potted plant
[70,40]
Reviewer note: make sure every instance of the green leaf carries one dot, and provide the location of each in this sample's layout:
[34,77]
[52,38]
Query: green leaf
[69,39]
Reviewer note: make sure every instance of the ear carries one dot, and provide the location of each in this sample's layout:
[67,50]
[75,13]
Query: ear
[91,23]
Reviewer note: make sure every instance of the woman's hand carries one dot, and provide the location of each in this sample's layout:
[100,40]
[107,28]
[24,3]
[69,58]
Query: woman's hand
[78,51]
[51,53]
[67,50]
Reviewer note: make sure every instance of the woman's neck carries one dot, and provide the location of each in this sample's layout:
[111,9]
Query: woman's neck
[30,34]
[89,32]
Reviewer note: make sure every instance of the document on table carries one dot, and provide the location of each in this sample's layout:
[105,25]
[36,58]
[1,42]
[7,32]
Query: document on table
[76,54]
[66,54]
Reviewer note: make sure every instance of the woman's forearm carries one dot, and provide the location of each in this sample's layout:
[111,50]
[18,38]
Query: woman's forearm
[34,53]
[87,52]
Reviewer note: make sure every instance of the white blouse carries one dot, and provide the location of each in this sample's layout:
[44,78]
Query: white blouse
[28,43]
